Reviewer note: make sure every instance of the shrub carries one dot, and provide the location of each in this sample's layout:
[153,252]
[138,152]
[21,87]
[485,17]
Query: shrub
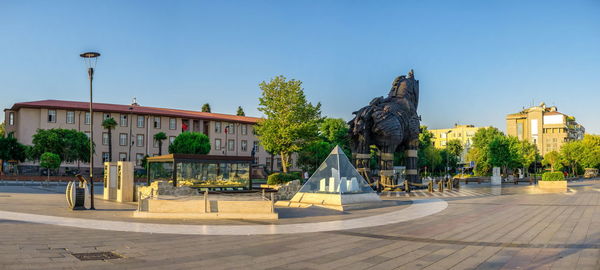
[281,178]
[553,176]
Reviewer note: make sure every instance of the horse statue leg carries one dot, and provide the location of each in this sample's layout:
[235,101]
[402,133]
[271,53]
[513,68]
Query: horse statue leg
[412,173]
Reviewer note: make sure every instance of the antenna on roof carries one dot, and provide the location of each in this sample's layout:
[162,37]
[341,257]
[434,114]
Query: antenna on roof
[134,102]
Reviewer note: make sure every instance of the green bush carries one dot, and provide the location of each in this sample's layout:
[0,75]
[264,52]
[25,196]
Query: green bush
[281,178]
[553,176]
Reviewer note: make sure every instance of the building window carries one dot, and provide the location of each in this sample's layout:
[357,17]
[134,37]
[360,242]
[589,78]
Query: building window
[105,138]
[87,133]
[171,139]
[70,117]
[256,160]
[230,128]
[443,143]
[255,146]
[139,158]
[244,146]
[217,127]
[217,144]
[244,129]
[105,116]
[268,163]
[123,120]
[279,164]
[87,119]
[11,118]
[172,123]
[105,157]
[231,145]
[52,116]
[140,140]
[123,139]
[123,156]
[140,121]
[156,122]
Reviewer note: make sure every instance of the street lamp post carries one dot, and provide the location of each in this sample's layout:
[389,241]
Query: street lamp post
[90,59]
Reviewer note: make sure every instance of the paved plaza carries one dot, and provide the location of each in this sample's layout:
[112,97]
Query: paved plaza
[475,227]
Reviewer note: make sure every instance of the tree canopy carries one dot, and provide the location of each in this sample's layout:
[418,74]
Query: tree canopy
[11,149]
[70,145]
[291,121]
[313,154]
[332,132]
[206,107]
[240,111]
[190,143]
[160,137]
[50,160]
[552,159]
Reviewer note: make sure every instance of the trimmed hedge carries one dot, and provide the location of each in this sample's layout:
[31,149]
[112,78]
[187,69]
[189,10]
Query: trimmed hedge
[553,176]
[281,178]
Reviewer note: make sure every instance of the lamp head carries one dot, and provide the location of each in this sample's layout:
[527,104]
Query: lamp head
[90,58]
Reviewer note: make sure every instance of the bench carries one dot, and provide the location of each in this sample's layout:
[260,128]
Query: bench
[529,180]
[472,179]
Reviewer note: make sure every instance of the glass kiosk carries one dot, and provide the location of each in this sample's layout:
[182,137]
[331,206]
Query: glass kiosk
[205,172]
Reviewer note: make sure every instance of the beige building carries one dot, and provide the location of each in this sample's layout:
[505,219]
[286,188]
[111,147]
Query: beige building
[132,138]
[544,126]
[463,133]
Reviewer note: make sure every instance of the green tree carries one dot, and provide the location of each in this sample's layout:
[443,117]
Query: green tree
[50,161]
[291,121]
[109,124]
[572,155]
[240,111]
[335,132]
[526,152]
[503,152]
[424,157]
[591,151]
[11,149]
[160,137]
[70,145]
[206,107]
[553,159]
[190,143]
[479,153]
[455,147]
[313,154]
[2,129]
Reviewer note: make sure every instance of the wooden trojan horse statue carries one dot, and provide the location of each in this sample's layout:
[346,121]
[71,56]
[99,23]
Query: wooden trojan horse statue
[392,124]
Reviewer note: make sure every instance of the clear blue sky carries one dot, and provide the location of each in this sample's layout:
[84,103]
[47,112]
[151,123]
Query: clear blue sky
[476,60]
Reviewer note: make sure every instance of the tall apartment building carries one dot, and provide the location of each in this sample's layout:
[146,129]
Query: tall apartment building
[544,126]
[463,133]
[132,138]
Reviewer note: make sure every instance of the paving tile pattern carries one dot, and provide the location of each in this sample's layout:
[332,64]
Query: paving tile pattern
[506,231]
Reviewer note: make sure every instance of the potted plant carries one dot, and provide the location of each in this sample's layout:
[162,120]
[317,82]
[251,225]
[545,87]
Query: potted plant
[553,181]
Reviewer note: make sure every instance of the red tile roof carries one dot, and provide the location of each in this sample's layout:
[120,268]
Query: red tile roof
[104,107]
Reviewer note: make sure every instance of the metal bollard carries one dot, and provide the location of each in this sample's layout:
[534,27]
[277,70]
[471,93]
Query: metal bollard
[430,186]
[406,186]
[441,186]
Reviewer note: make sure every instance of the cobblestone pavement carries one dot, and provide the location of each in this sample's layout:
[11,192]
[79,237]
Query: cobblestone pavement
[513,229]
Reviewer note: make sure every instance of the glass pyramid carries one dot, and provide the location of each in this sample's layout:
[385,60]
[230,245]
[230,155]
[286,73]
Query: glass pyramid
[336,175]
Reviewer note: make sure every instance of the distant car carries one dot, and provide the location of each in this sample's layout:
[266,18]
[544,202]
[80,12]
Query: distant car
[590,173]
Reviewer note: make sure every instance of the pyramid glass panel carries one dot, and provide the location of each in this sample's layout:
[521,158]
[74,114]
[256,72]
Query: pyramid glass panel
[336,175]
